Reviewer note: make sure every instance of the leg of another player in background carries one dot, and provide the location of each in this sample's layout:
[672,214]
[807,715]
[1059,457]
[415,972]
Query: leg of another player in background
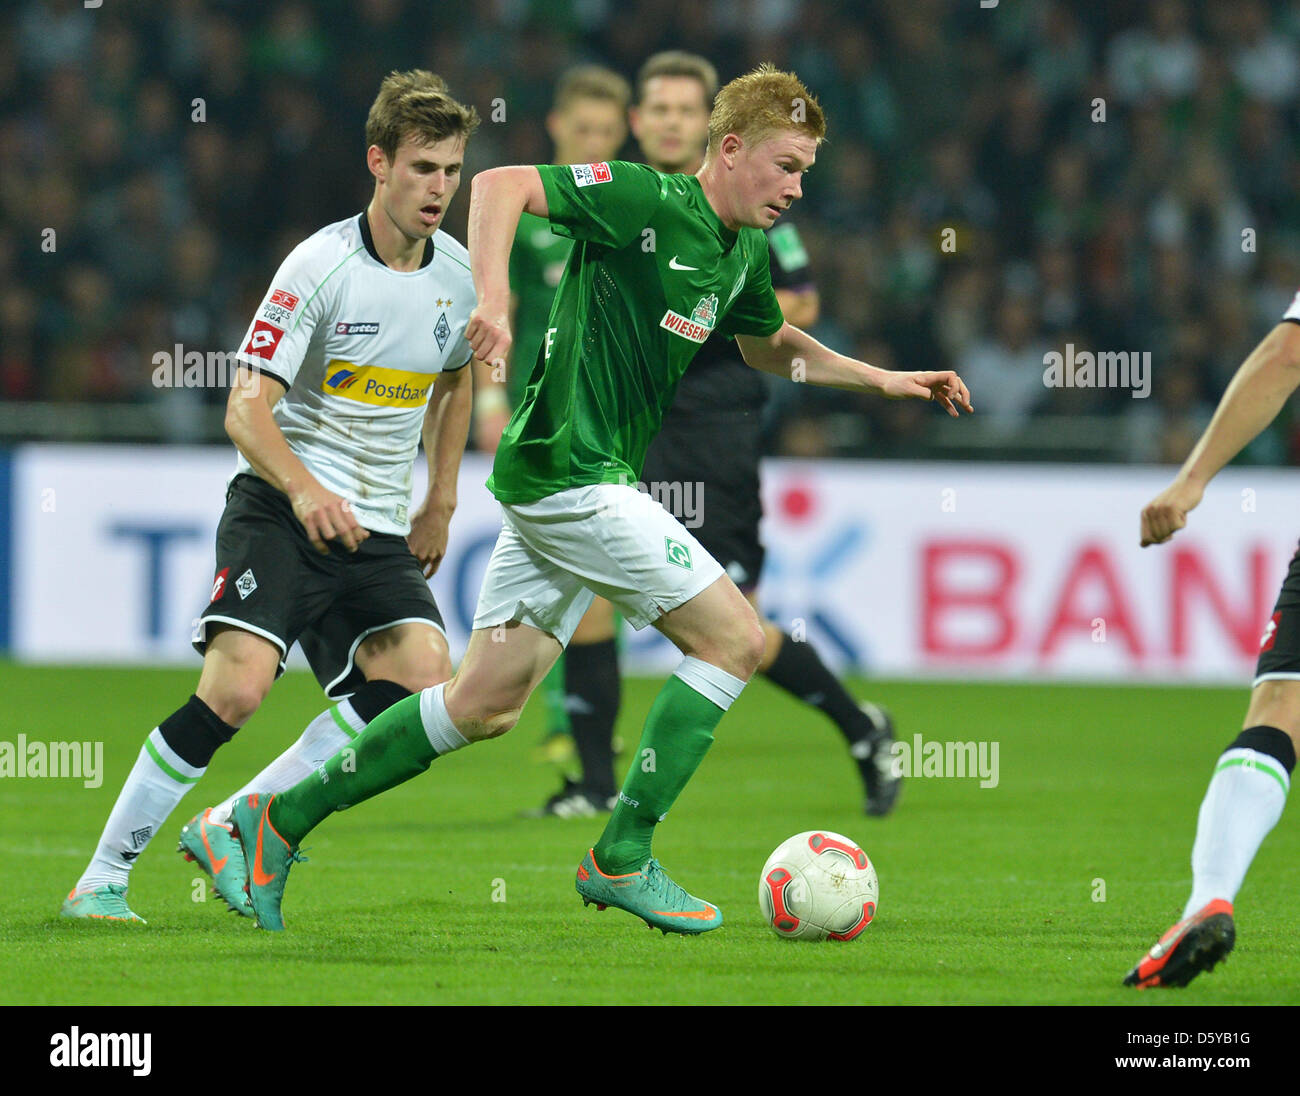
[718,632]
[238,670]
[1246,794]
[1244,801]
[557,745]
[396,662]
[592,688]
[797,668]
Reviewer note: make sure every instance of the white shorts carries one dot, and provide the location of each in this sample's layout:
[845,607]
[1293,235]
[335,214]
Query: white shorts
[555,554]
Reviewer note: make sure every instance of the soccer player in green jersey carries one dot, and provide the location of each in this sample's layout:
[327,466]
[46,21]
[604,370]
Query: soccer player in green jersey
[709,445]
[659,263]
[588,123]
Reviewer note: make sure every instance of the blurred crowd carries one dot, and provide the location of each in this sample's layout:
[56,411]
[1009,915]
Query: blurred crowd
[999,183]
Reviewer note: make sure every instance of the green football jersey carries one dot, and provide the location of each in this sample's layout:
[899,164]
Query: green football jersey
[654,272]
[537,261]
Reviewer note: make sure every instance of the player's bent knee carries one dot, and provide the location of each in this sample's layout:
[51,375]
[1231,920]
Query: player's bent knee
[431,669]
[1276,703]
[235,702]
[481,728]
[751,644]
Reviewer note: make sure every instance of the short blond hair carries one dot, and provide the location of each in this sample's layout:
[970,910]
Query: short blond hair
[592,82]
[416,105]
[763,102]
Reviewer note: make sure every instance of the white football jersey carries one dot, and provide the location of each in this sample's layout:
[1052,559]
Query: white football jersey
[358,347]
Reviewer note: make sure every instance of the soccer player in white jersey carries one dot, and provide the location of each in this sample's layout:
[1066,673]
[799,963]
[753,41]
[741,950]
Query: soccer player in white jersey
[1252,776]
[356,351]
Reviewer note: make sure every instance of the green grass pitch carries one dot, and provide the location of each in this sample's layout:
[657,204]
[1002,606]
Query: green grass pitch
[987,895]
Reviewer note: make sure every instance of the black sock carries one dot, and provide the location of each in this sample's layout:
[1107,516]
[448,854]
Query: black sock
[799,670]
[195,732]
[1267,740]
[375,696]
[591,696]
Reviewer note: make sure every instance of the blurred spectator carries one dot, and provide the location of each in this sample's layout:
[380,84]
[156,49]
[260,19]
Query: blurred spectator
[1006,368]
[1113,178]
[1158,61]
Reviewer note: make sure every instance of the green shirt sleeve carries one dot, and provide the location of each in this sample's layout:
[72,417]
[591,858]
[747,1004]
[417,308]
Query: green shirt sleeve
[609,204]
[756,311]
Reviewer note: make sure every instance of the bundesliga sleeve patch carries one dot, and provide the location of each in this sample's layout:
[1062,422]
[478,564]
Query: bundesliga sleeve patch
[278,307]
[590,174]
[263,341]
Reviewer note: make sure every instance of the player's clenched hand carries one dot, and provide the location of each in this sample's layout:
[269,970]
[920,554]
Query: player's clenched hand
[1165,514]
[942,385]
[428,536]
[325,516]
[488,333]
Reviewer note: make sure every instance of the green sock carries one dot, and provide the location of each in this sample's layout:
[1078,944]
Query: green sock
[391,750]
[678,733]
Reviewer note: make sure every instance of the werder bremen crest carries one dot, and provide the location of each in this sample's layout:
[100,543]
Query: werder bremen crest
[678,554]
[706,312]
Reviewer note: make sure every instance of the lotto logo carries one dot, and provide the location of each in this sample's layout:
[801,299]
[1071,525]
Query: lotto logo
[263,340]
[219,584]
[590,174]
[284,299]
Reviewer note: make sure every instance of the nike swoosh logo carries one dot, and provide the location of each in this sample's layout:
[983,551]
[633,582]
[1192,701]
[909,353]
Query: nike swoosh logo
[700,915]
[259,876]
[673,264]
[217,865]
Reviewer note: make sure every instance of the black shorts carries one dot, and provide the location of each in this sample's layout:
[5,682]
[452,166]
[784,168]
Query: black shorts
[270,581]
[1279,647]
[704,468]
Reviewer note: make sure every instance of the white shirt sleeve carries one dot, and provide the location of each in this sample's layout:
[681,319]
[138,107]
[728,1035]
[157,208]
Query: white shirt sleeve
[1293,313]
[276,341]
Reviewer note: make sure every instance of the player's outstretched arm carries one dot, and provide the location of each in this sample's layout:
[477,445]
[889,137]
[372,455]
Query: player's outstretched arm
[796,355]
[446,426]
[1262,384]
[497,198]
[256,434]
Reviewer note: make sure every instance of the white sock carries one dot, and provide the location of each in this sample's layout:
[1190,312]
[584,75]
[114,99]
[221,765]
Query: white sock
[438,725]
[158,781]
[325,735]
[710,681]
[1244,801]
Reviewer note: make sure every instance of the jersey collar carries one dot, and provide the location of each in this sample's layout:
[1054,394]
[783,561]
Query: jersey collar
[367,239]
[727,237]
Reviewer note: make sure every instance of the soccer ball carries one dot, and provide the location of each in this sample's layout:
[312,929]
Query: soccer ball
[817,885]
